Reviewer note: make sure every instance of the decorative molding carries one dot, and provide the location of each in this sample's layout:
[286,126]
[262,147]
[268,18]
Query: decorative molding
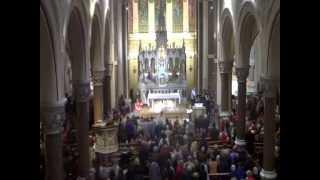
[225,66]
[109,69]
[242,74]
[82,91]
[53,118]
[98,77]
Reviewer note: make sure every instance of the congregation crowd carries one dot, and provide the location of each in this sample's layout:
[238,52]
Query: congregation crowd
[159,148]
[171,149]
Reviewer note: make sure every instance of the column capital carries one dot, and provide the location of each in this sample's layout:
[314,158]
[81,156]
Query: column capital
[82,91]
[52,118]
[225,66]
[268,87]
[242,73]
[109,69]
[268,174]
[98,77]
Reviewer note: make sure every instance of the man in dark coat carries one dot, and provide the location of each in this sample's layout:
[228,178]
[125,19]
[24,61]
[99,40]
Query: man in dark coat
[154,171]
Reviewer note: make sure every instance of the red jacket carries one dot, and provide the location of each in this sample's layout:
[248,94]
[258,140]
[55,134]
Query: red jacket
[250,178]
[224,137]
[179,172]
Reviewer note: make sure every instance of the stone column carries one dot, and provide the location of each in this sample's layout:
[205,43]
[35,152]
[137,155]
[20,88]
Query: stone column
[200,44]
[205,11]
[242,74]
[225,68]
[118,19]
[82,94]
[107,94]
[212,47]
[53,117]
[125,49]
[98,77]
[269,95]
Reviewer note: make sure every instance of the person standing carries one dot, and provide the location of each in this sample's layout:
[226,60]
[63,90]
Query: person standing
[154,171]
[179,170]
[193,96]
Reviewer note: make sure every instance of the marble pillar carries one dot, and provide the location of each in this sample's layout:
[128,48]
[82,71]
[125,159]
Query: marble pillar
[212,48]
[205,21]
[200,44]
[225,68]
[242,74]
[269,95]
[52,118]
[98,77]
[107,94]
[82,94]
[125,50]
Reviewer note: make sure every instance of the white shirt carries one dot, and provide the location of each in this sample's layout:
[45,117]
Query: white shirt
[104,171]
[193,93]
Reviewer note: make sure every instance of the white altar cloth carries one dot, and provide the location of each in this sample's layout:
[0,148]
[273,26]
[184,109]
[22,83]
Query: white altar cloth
[163,96]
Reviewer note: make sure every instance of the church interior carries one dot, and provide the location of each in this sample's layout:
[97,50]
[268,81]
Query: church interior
[160,89]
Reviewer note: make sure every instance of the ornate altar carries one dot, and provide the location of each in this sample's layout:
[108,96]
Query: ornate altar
[162,70]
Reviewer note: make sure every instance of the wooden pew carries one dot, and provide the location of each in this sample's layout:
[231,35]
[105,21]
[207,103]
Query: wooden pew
[219,174]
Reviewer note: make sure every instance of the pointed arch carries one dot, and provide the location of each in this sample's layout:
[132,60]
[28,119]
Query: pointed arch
[49,85]
[76,40]
[273,56]
[227,31]
[248,27]
[96,44]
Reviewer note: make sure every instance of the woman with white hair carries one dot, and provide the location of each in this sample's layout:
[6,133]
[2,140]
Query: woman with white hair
[249,175]
[168,134]
[233,170]
[255,172]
